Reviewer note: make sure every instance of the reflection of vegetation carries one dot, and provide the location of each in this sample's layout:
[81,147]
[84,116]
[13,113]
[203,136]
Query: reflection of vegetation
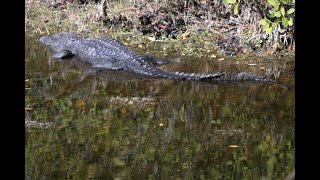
[186,134]
[155,128]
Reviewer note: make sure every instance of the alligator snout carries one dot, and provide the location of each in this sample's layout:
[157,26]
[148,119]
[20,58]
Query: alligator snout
[44,40]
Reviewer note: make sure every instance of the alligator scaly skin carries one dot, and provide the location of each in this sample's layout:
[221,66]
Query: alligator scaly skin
[107,53]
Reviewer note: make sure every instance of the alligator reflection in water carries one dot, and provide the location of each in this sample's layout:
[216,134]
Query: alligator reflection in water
[140,128]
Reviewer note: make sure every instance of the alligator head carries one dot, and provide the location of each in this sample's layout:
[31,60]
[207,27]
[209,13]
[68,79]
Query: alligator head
[60,41]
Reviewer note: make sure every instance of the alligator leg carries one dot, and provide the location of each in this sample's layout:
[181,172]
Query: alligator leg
[63,54]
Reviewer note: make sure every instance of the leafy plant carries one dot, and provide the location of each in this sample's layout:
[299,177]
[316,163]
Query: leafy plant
[278,14]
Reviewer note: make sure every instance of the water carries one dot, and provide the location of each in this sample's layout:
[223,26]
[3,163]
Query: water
[115,125]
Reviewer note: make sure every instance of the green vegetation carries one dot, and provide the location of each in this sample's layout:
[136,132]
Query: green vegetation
[277,21]
[279,14]
[196,28]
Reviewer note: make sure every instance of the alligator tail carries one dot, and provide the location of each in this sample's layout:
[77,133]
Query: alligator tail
[191,76]
[242,76]
[219,76]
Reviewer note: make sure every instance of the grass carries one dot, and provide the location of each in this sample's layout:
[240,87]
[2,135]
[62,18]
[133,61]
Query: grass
[196,40]
[41,20]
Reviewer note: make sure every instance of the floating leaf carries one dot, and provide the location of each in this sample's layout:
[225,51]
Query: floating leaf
[229,163]
[81,104]
[290,11]
[233,146]
[236,9]
[282,10]
[118,162]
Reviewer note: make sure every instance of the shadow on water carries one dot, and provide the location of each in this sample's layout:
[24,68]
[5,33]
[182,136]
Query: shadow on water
[118,125]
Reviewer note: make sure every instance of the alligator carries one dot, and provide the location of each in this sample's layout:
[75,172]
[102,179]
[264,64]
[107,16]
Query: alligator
[108,53]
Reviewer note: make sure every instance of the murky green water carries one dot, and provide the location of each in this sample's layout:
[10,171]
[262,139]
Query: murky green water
[117,125]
